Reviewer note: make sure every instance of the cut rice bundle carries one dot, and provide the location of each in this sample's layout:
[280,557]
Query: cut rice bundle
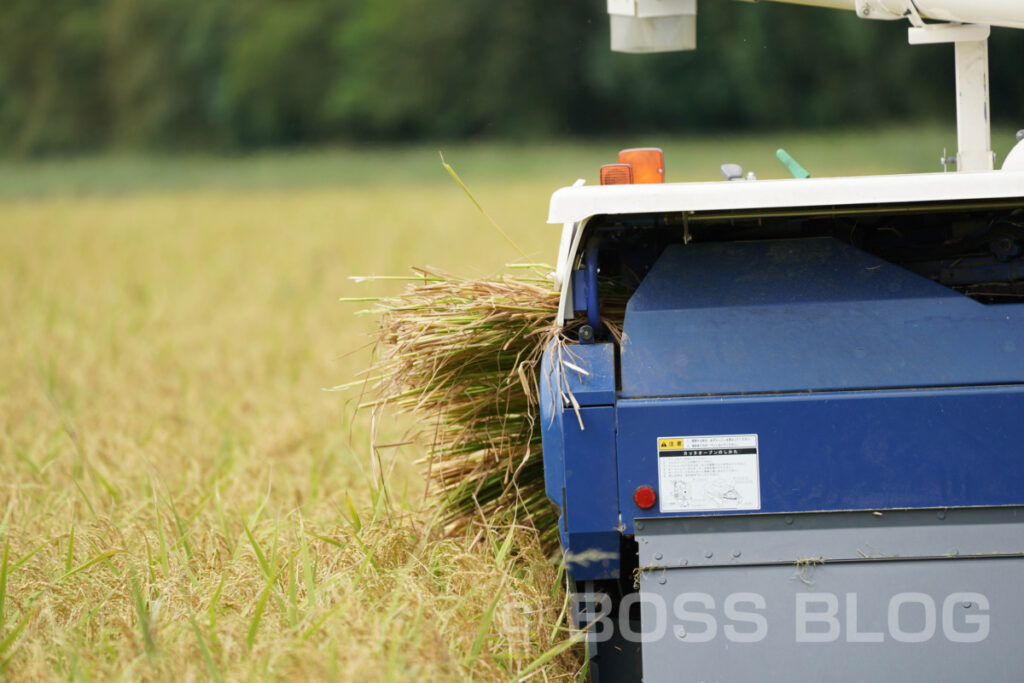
[463,356]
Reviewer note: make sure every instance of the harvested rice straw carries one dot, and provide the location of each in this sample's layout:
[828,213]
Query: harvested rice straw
[463,356]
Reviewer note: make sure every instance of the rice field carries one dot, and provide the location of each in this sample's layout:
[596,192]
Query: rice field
[180,499]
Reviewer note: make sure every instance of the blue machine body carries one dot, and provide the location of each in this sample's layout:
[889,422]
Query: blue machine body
[849,383]
[580,464]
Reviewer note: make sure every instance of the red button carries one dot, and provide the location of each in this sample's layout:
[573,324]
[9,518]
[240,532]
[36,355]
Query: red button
[645,497]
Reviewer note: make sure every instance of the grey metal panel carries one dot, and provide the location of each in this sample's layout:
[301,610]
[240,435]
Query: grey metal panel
[854,621]
[733,540]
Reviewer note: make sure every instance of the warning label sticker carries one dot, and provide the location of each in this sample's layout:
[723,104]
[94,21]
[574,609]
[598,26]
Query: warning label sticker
[706,473]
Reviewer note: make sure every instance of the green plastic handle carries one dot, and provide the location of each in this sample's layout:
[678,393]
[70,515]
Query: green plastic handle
[792,165]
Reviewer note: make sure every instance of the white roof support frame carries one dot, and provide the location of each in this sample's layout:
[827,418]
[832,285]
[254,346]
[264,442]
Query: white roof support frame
[1008,13]
[973,127]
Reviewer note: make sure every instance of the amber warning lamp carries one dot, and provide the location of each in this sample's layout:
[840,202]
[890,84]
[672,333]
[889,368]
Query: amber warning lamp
[636,166]
[616,174]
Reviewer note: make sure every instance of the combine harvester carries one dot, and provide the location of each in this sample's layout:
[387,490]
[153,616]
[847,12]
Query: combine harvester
[804,458]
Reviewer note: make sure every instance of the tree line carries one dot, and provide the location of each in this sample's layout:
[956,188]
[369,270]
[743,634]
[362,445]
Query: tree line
[221,74]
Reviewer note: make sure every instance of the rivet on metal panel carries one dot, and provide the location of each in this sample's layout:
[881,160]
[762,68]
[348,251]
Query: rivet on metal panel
[658,556]
[708,554]
[942,514]
[789,520]
[736,553]
[639,525]
[662,580]
[966,604]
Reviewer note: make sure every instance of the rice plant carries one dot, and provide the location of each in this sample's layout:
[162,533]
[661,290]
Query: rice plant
[463,356]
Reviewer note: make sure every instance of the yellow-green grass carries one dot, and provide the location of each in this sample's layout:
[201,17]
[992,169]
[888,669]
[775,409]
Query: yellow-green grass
[175,486]
[902,149]
[178,497]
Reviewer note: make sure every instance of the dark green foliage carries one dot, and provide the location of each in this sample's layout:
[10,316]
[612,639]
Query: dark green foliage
[78,74]
[164,71]
[51,92]
[279,69]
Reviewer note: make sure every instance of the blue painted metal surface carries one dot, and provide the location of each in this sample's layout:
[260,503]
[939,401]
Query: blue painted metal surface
[579,457]
[871,450]
[579,290]
[593,302]
[802,315]
[868,387]
[552,417]
[589,373]
[584,288]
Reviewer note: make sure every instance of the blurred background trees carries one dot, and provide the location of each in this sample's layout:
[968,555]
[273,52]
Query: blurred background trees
[214,74]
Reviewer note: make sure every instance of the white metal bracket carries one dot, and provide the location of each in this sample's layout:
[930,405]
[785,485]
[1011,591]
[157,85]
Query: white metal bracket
[974,134]
[877,9]
[914,16]
[973,126]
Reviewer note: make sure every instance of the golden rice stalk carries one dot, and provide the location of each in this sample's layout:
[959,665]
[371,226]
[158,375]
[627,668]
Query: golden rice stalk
[463,356]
